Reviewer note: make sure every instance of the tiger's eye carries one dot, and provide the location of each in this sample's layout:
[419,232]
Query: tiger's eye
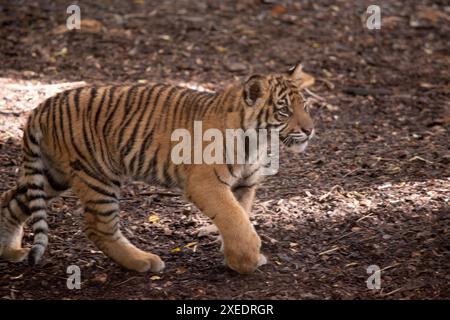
[284,111]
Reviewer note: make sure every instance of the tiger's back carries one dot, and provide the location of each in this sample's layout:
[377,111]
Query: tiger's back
[120,131]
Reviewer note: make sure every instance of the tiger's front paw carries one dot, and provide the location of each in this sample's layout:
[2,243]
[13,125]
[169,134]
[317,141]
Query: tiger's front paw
[244,254]
[208,230]
[147,262]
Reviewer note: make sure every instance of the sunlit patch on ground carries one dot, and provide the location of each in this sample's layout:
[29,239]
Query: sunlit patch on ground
[18,97]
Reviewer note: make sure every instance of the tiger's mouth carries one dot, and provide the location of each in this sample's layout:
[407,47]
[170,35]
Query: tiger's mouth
[295,142]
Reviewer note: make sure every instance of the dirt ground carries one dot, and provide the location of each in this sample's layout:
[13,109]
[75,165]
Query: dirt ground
[372,189]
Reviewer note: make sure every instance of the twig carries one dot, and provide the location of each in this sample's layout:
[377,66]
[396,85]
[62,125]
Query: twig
[166,194]
[341,237]
[326,195]
[314,95]
[421,159]
[328,251]
[129,279]
[392,292]
[390,267]
[363,217]
[352,171]
[330,85]
[16,114]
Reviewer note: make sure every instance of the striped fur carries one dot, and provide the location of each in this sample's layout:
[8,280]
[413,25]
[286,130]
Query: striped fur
[90,139]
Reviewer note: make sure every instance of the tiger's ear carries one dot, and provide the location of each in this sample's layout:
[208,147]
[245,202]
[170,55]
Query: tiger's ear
[303,79]
[253,89]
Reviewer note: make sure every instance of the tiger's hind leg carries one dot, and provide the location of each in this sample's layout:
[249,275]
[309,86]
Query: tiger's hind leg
[15,211]
[101,215]
[13,214]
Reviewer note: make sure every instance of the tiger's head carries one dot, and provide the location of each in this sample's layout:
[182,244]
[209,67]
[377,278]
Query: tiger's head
[276,102]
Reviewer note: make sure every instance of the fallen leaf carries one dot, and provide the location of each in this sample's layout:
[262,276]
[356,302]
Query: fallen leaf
[278,9]
[221,49]
[86,26]
[153,278]
[235,66]
[153,218]
[181,270]
[100,278]
[175,250]
[190,244]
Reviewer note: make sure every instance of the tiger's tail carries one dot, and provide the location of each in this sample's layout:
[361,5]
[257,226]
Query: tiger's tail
[34,180]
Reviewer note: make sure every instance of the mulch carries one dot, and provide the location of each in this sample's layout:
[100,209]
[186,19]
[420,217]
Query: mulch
[372,189]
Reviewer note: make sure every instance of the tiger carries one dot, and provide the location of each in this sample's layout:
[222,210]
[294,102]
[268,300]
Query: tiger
[91,139]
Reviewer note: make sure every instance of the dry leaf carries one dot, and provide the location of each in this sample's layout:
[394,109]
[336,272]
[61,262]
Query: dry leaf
[153,278]
[181,270]
[153,218]
[190,244]
[175,250]
[86,26]
[278,9]
[100,278]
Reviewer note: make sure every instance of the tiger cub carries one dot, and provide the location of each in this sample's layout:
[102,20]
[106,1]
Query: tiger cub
[89,139]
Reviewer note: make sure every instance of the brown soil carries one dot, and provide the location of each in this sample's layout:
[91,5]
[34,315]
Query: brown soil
[372,189]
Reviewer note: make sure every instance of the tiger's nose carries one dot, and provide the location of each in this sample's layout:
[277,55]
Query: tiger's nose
[307,131]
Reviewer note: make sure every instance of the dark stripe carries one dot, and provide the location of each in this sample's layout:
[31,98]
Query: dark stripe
[40,230]
[77,165]
[102,201]
[76,100]
[151,168]
[208,105]
[100,106]
[37,208]
[32,138]
[55,185]
[242,116]
[35,197]
[201,104]
[99,189]
[129,143]
[23,207]
[192,108]
[259,118]
[178,104]
[100,212]
[244,187]
[220,179]
[34,186]
[47,120]
[54,127]
[22,189]
[35,220]
[94,230]
[39,243]
[108,123]
[165,173]
[167,100]
[108,221]
[64,107]
[147,139]
[251,173]
[32,171]
[230,167]
[129,115]
[14,220]
[92,144]
[30,154]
